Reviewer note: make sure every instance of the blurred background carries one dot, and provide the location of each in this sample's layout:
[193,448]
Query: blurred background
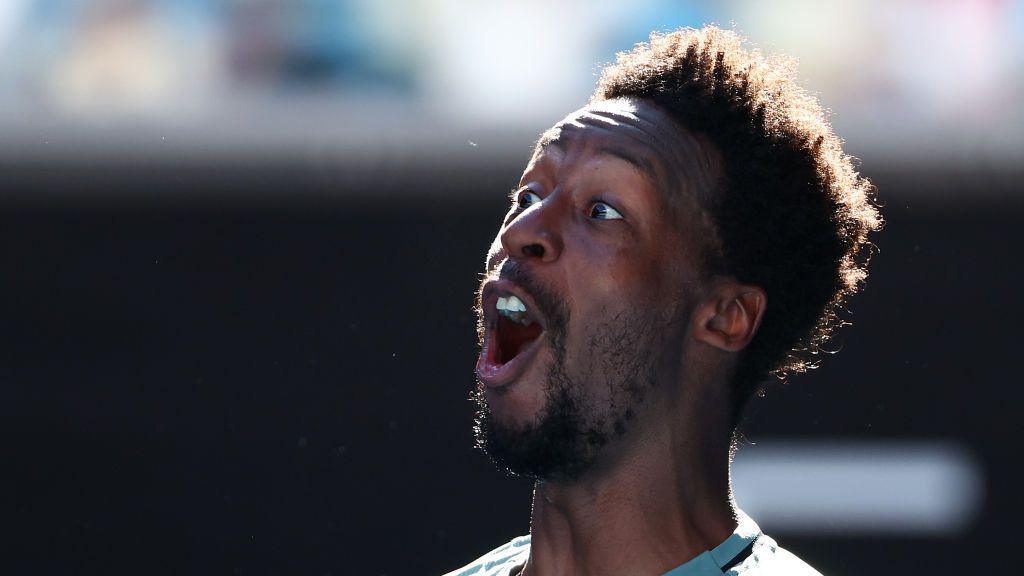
[240,241]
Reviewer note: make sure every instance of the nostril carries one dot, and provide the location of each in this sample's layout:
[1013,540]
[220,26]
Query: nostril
[535,250]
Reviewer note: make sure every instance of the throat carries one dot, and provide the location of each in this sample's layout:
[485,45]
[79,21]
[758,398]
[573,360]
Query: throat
[513,337]
[640,505]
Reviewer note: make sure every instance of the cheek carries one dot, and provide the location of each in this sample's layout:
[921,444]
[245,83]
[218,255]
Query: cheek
[619,275]
[621,295]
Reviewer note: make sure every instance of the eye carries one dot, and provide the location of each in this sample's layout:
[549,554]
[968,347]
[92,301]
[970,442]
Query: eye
[602,211]
[525,198]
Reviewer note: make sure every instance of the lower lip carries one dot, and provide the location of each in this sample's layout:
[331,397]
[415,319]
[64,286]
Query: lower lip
[497,376]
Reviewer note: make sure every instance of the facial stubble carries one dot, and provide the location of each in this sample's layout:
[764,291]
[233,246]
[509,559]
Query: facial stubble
[576,421]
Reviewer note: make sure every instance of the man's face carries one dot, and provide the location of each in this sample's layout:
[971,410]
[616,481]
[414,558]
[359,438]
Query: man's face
[584,309]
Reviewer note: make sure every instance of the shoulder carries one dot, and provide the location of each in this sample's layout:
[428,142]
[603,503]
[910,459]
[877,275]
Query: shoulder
[769,559]
[499,561]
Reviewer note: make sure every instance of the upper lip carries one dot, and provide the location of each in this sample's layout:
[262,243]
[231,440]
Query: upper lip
[493,289]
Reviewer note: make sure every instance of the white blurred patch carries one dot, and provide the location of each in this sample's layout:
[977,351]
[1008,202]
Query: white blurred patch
[10,15]
[882,488]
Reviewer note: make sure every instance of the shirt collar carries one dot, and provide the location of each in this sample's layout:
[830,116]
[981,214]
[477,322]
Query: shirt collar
[714,562]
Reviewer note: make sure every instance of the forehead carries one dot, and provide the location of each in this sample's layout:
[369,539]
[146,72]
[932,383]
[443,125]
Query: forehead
[678,163]
[628,123]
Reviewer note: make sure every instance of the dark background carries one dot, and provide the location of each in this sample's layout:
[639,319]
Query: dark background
[264,369]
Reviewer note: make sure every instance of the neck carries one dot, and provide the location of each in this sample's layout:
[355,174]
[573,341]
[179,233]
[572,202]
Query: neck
[665,500]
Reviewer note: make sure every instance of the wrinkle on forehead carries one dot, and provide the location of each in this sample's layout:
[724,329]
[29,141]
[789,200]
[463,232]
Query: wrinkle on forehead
[679,161]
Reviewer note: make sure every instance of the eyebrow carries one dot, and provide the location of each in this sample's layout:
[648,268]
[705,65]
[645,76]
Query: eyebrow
[640,163]
[554,138]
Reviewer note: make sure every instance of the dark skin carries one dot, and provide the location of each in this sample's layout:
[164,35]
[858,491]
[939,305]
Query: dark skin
[607,216]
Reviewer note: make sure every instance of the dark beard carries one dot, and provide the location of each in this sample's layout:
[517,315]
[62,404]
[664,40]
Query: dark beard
[564,442]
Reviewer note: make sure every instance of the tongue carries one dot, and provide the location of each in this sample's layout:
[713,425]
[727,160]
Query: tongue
[513,337]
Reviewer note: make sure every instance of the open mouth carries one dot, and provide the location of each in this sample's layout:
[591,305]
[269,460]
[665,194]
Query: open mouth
[512,332]
[514,329]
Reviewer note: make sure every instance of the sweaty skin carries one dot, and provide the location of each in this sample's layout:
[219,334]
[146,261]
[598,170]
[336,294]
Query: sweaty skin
[658,493]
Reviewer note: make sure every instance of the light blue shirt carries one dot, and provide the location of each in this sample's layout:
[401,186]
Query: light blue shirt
[746,552]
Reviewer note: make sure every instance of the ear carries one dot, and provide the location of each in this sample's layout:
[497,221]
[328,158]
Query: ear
[729,316]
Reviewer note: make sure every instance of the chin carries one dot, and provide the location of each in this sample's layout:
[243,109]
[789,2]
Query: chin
[519,403]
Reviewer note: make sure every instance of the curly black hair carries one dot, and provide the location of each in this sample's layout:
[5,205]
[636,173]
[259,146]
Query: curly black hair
[790,212]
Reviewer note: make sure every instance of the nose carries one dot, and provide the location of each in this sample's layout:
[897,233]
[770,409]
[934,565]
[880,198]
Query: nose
[535,234]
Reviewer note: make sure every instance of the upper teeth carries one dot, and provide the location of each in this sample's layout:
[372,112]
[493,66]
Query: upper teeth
[512,304]
[513,308]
